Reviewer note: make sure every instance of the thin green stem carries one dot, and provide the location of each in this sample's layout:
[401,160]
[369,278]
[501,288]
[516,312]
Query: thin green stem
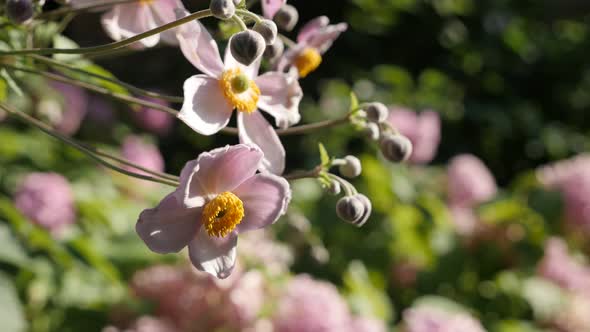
[300,130]
[115,45]
[97,89]
[349,189]
[297,175]
[82,8]
[240,22]
[139,91]
[249,14]
[81,147]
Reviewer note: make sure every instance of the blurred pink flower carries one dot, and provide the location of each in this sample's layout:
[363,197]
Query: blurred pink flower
[75,103]
[423,129]
[313,40]
[46,199]
[219,197]
[560,267]
[575,317]
[197,302]
[572,178]
[433,319]
[129,19]
[309,305]
[135,150]
[153,120]
[367,324]
[261,250]
[145,324]
[271,7]
[469,181]
[209,99]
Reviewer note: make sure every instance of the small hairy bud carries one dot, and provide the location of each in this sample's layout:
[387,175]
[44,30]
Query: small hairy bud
[286,18]
[268,30]
[396,148]
[274,50]
[247,46]
[376,112]
[372,131]
[355,209]
[351,167]
[350,209]
[19,11]
[222,9]
[334,188]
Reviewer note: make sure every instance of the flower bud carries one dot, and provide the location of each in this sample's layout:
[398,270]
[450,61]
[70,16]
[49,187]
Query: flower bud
[372,131]
[247,46]
[376,112]
[19,11]
[286,18]
[268,30]
[222,9]
[351,167]
[334,188]
[237,2]
[350,209]
[396,148]
[274,50]
[354,209]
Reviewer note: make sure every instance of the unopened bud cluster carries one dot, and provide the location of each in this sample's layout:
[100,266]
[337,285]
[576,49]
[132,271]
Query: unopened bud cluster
[394,146]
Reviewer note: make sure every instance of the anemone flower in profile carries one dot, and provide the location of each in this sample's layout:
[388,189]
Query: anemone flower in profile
[210,98]
[126,20]
[219,196]
[314,39]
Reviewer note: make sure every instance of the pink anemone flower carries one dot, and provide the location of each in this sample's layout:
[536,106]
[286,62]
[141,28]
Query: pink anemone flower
[314,39]
[210,98]
[219,197]
[271,7]
[129,19]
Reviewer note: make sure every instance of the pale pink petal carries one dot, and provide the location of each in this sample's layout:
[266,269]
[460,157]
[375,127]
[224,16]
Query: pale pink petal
[311,28]
[428,137]
[286,60]
[323,39]
[197,193]
[254,129]
[280,95]
[230,62]
[216,256]
[164,12]
[271,7]
[127,20]
[205,109]
[265,197]
[169,227]
[200,48]
[221,170]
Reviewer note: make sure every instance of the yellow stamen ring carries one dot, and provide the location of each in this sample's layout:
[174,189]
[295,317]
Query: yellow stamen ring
[239,90]
[223,214]
[307,61]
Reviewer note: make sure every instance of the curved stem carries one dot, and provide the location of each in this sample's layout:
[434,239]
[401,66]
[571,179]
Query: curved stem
[81,8]
[249,14]
[83,148]
[299,130]
[88,86]
[52,62]
[115,45]
[349,189]
[239,22]
[297,175]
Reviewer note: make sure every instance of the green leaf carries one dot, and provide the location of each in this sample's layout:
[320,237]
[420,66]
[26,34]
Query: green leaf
[3,88]
[60,41]
[324,156]
[9,81]
[354,101]
[11,250]
[11,315]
